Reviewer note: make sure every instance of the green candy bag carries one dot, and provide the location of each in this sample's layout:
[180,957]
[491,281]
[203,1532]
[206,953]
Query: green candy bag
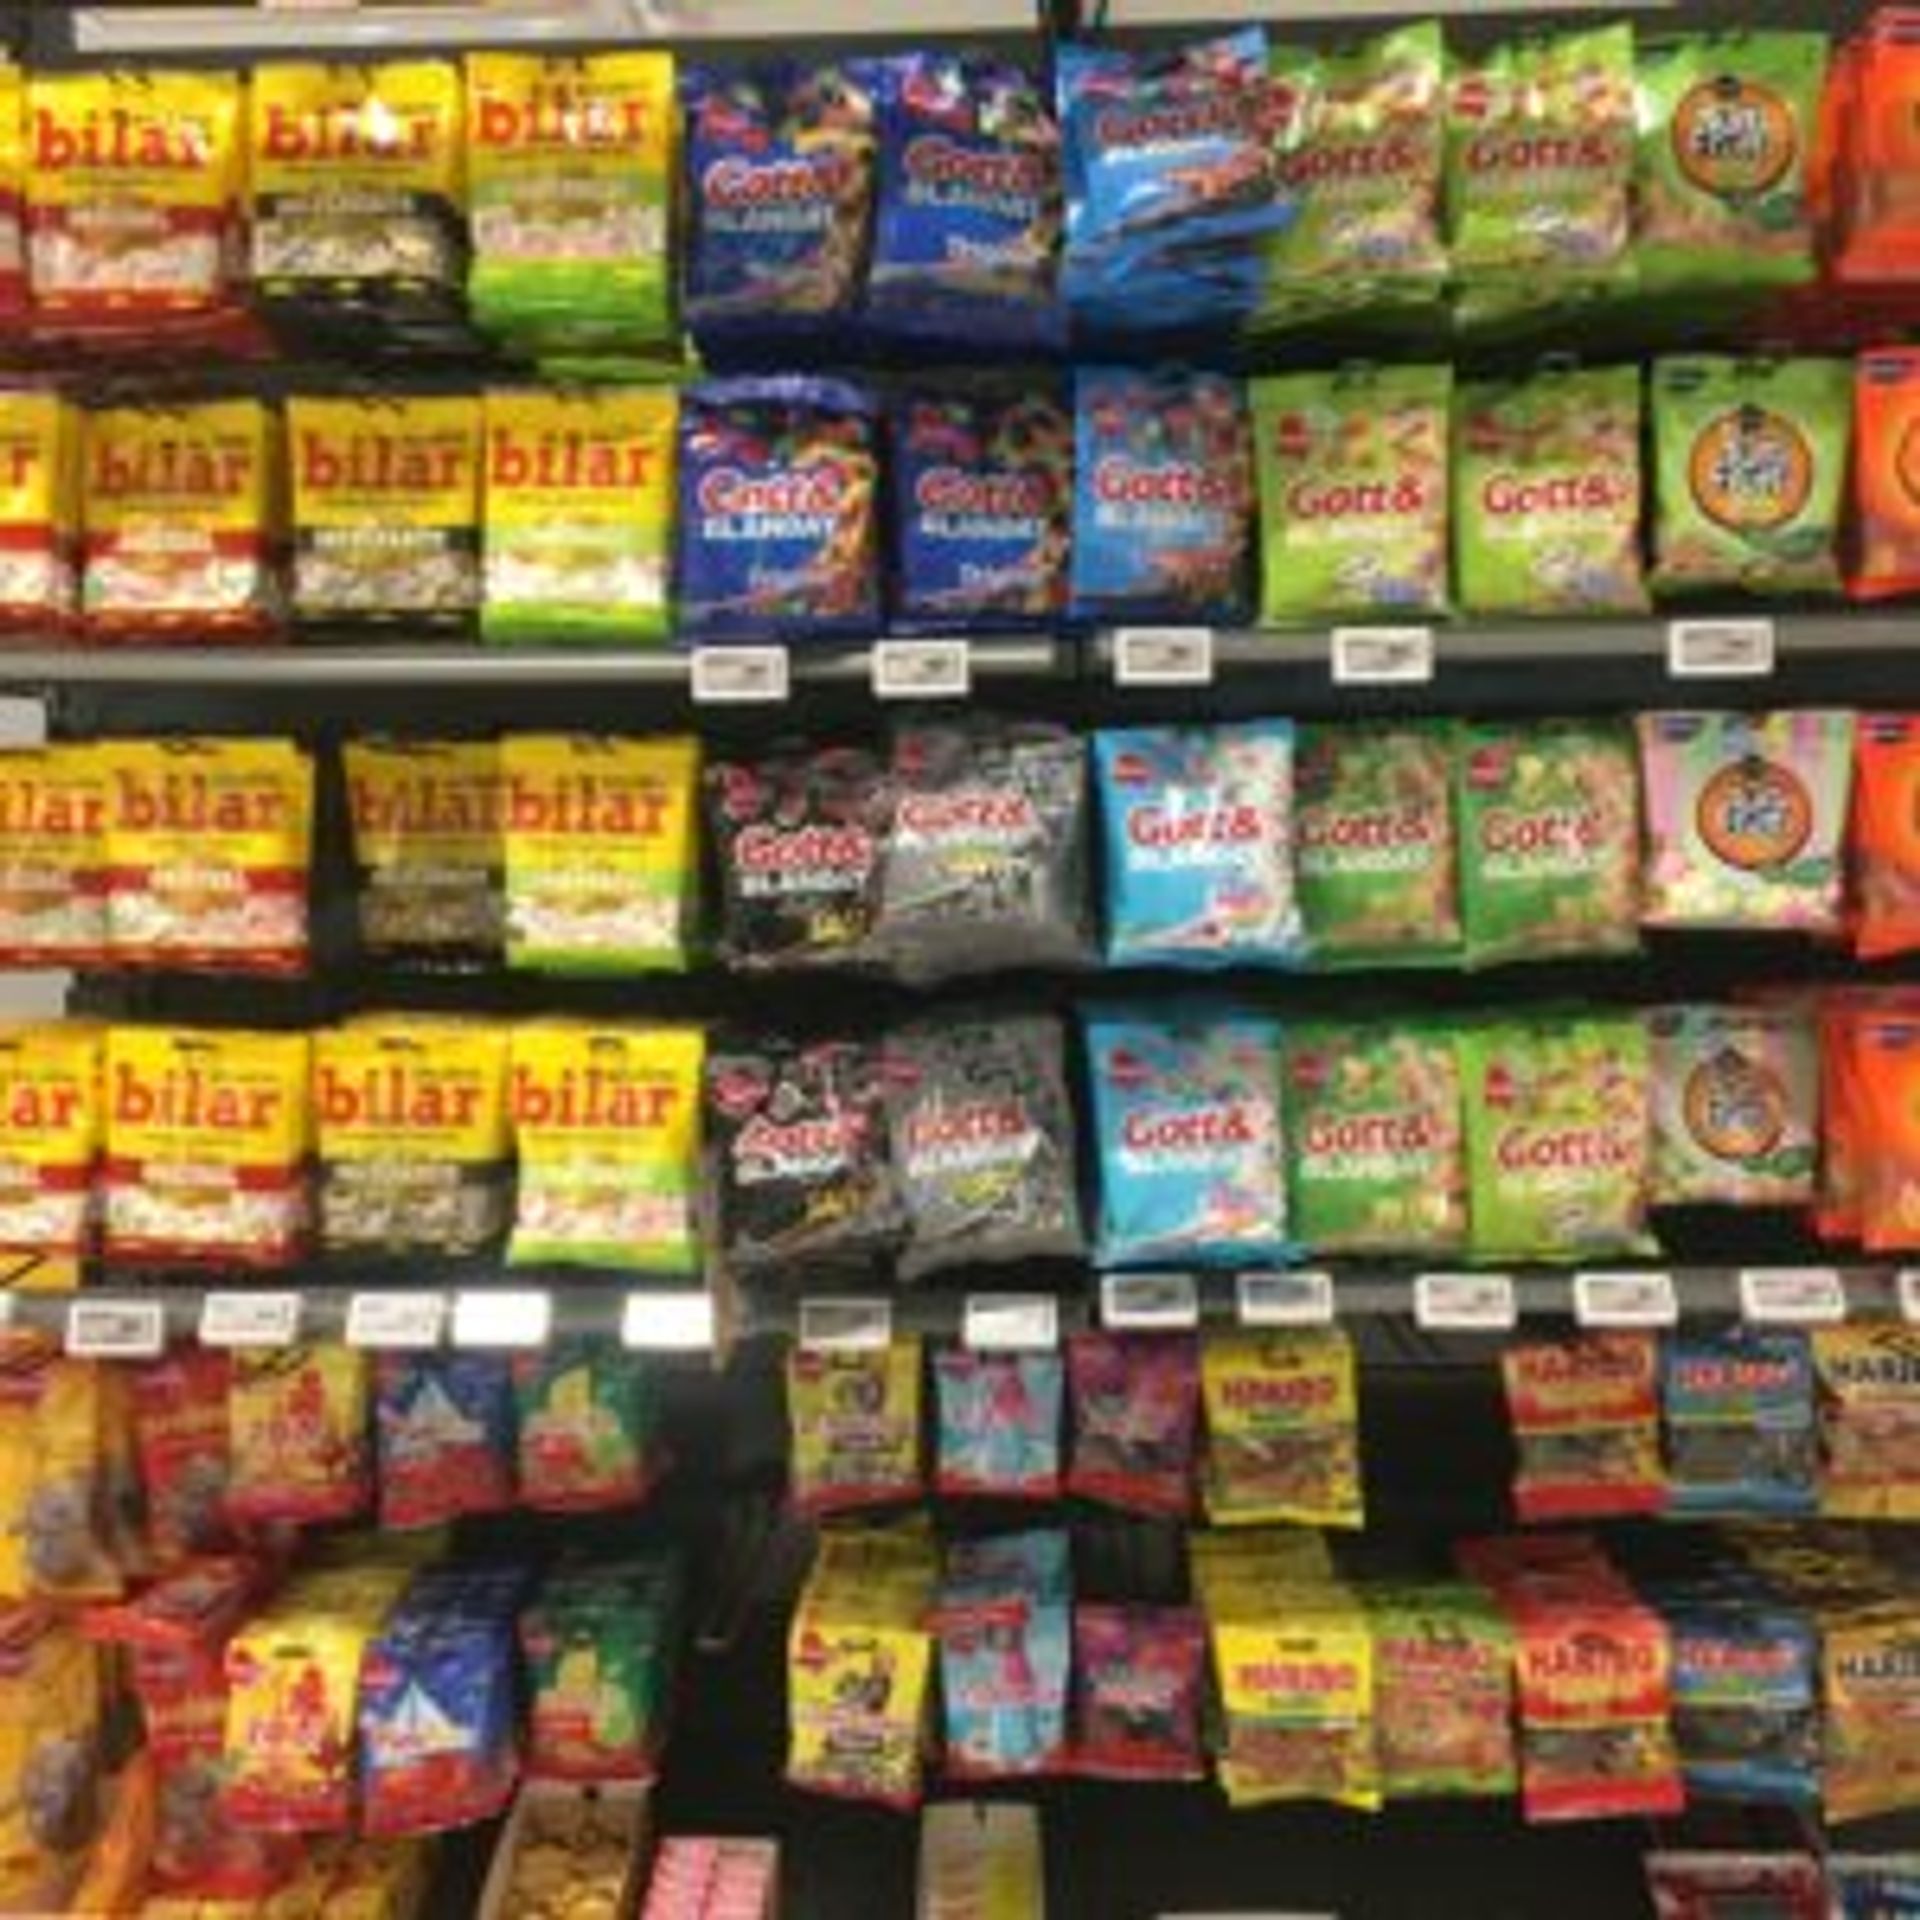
[1559,1137]
[1727,125]
[1546,494]
[1352,471]
[1750,458]
[1375,864]
[1549,840]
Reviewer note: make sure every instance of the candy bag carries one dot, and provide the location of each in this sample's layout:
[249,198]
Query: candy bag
[1735,1106]
[797,1135]
[855,1421]
[1375,845]
[1136,1402]
[779,511]
[982,502]
[1199,840]
[1006,1649]
[1886,438]
[1546,494]
[51,1099]
[1739,1417]
[1443,1691]
[1726,130]
[1704,1886]
[1558,1136]
[1886,835]
[55,1542]
[1163,497]
[1549,839]
[1140,1680]
[1871,1745]
[1283,1434]
[1868,1887]
[1378,1160]
[1586,1426]
[980,1131]
[297,1435]
[40,461]
[443,1424]
[183,1448]
[13,185]
[1751,462]
[1878,1073]
[54,1698]
[1352,469]
[1869,1398]
[1186,1112]
[984,864]
[1745,814]
[588,1416]
[998,1424]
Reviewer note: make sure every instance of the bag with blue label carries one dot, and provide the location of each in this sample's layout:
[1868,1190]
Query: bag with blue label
[999,1424]
[1739,1409]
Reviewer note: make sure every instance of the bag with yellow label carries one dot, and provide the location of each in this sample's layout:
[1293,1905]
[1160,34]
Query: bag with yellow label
[52,856]
[13,188]
[39,503]
[53,1476]
[1283,1439]
[51,1707]
[52,1122]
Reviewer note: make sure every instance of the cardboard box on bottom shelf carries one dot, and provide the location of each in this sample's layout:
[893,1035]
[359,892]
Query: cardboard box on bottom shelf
[699,1878]
[981,1861]
[570,1853]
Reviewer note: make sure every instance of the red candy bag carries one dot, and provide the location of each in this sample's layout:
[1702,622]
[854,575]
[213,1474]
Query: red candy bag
[184,1451]
[1586,1423]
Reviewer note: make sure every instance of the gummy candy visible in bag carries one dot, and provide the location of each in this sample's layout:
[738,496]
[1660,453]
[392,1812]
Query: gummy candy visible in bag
[1586,1427]
[1353,486]
[53,1099]
[980,1130]
[998,1424]
[1378,1159]
[443,1424]
[183,1449]
[1751,465]
[1705,1886]
[1727,125]
[1745,814]
[1186,1110]
[1136,1407]
[1283,1432]
[1375,845]
[1559,1133]
[1443,1691]
[1140,1681]
[798,836]
[1886,483]
[1885,834]
[855,1423]
[1549,839]
[54,1703]
[1736,1106]
[779,530]
[1739,1418]
[1163,497]
[1546,494]
[588,1417]
[297,1428]
[1199,839]
[40,459]
[982,506]
[55,1492]
[1869,1409]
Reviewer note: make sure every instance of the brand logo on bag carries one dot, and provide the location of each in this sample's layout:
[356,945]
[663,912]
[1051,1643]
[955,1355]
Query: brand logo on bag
[117,137]
[1253,111]
[196,467]
[1157,829]
[767,1149]
[1553,835]
[1118,481]
[1550,1149]
[1735,1108]
[192,1097]
[1359,499]
[987,173]
[957,1132]
[1172,1136]
[972,814]
[556,113]
[1363,1137]
[184,802]
[815,490]
[590,1097]
[350,130]
[737,182]
[1751,470]
[1732,137]
[47,809]
[764,849]
[373,462]
[1506,495]
[410,1097]
[567,459]
[998,496]
[1754,814]
[1503,152]
[1324,164]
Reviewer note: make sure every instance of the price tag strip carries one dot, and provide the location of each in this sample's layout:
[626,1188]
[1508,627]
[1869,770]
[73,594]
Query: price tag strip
[250,1320]
[846,1325]
[1382,656]
[396,1322]
[1721,649]
[1465,1303]
[1906,1288]
[508,1319]
[922,670]
[1149,1302]
[741,676]
[116,1329]
[1625,1300]
[668,1323]
[1163,657]
[1011,1323]
[1302,1299]
[1793,1296]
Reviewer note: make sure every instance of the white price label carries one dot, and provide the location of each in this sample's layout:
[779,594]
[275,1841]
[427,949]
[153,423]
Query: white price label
[1163,656]
[1011,1323]
[116,1329]
[1793,1296]
[1286,1299]
[250,1320]
[1625,1300]
[1720,649]
[741,676]
[508,1319]
[846,1325]
[1382,656]
[1465,1302]
[922,670]
[668,1323]
[1150,1302]
[6,1308]
[1907,1287]
[396,1322]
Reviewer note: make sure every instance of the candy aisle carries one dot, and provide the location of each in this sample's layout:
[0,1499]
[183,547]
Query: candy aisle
[959,966]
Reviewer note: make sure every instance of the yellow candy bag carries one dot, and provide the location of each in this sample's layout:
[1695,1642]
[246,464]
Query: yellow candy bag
[1283,1441]
[855,1421]
[1869,1405]
[13,187]
[40,451]
[53,881]
[51,1707]
[53,1476]
[51,1128]
[1869,1655]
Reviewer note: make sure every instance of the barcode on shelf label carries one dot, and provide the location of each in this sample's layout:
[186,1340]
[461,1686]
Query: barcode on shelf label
[249,1319]
[116,1329]
[1465,1302]
[1285,1299]
[842,1325]
[1793,1296]
[1625,1300]
[396,1322]
[1150,1302]
[1382,656]
[668,1323]
[741,676]
[506,1319]
[1163,656]
[922,670]
[1907,1289]
[1720,649]
[1011,1323]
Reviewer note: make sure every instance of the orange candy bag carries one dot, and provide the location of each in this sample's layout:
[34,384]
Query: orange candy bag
[1886,835]
[1877,186]
[1887,474]
[1885,1120]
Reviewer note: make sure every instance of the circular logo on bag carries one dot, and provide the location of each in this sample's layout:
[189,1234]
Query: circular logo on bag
[1734,1108]
[1754,814]
[1751,470]
[1732,137]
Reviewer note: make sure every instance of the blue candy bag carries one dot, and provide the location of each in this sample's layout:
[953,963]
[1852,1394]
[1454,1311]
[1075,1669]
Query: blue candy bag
[779,491]
[1163,497]
[1739,1411]
[999,1424]
[444,1425]
[1187,1112]
[1006,1653]
[1198,828]
[1869,1887]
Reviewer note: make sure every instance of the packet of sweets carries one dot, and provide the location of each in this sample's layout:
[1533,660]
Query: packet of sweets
[183,1448]
[1586,1425]
[1735,1106]
[297,1434]
[1869,1397]
[1353,487]
[1443,1691]
[1886,835]
[54,1487]
[1378,1162]
[1558,1132]
[1878,1127]
[1738,1408]
[13,187]
[1745,815]
[53,1099]
[1136,1402]
[588,1416]
[1549,840]
[1374,843]
[855,1421]
[1886,487]
[1727,125]
[1283,1429]
[1546,494]
[1006,1651]
[1140,1682]
[1187,1118]
[1872,1746]
[1873,1886]
[40,461]
[998,1420]
[1704,1886]
[1199,839]
[1750,474]
[444,1430]
[1871,153]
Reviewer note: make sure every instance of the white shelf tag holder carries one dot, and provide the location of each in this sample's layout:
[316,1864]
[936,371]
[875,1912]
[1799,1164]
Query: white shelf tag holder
[849,1323]
[1163,657]
[1906,1288]
[1721,649]
[396,1322]
[249,1319]
[922,670]
[1303,1299]
[1149,1302]
[1382,656]
[740,676]
[1792,1296]
[512,1319]
[116,1329]
[1627,1300]
[1465,1303]
[668,1323]
[1010,1323]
